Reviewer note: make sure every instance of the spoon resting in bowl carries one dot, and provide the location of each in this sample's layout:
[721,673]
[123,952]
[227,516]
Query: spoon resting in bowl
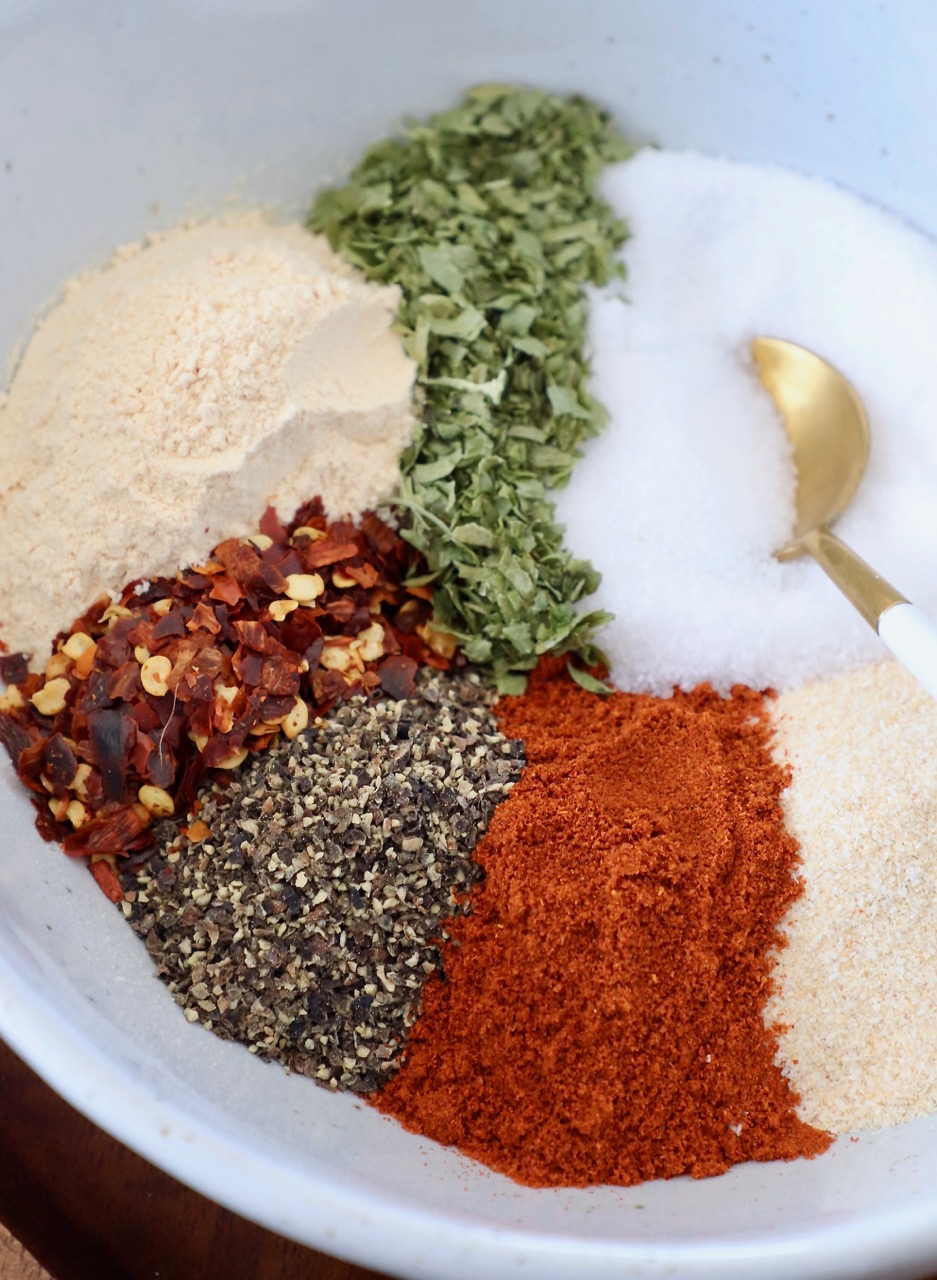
[829,434]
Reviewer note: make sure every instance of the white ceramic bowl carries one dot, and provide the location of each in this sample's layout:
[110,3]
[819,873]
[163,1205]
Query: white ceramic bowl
[116,118]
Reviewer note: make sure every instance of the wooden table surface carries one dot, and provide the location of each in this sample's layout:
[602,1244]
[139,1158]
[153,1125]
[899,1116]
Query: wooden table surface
[79,1205]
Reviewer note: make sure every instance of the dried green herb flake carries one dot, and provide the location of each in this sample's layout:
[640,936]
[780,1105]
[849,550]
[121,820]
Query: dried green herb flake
[488,219]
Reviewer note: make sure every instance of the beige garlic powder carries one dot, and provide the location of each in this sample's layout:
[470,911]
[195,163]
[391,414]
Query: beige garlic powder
[857,982]
[171,396]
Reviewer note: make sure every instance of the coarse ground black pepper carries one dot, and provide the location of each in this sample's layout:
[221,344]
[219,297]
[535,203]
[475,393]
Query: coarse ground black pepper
[305,921]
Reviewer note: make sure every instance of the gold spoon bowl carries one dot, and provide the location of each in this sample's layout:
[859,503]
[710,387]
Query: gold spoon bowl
[828,429]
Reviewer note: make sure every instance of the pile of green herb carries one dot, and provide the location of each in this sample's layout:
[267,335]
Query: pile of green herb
[488,220]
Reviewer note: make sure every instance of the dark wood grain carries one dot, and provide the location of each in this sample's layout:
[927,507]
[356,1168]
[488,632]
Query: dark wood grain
[87,1208]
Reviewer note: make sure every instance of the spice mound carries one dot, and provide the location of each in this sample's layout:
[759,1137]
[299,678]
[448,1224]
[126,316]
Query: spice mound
[172,395]
[857,981]
[602,1021]
[488,219]
[304,920]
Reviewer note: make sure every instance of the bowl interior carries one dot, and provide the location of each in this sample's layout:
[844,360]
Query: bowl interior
[121,119]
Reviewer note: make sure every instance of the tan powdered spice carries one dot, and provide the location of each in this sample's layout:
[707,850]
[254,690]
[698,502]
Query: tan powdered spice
[169,397]
[858,980]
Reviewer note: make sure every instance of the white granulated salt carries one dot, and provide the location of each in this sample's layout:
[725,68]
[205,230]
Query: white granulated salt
[685,496]
[857,982]
[172,395]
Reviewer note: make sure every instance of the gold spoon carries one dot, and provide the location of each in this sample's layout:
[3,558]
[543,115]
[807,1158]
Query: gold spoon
[829,434]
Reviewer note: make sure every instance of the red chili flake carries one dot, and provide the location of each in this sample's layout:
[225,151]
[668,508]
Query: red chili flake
[311,515]
[13,736]
[29,765]
[208,662]
[111,735]
[391,640]
[107,880]
[59,763]
[225,588]
[319,554]
[243,562]
[135,590]
[161,766]
[200,690]
[235,667]
[93,795]
[343,531]
[285,559]
[14,667]
[141,634]
[279,677]
[221,747]
[414,648]
[121,830]
[222,613]
[272,578]
[397,675]
[124,684]
[200,717]
[192,659]
[203,615]
[364,574]
[380,537]
[225,712]
[228,552]
[342,609]
[95,692]
[259,636]
[140,751]
[273,708]
[270,526]
[176,682]
[359,621]
[328,686]
[247,665]
[114,646]
[253,634]
[170,624]
[154,759]
[299,631]
[146,715]
[188,779]
[314,653]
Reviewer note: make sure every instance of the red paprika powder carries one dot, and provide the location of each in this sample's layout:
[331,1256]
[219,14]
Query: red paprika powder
[600,1020]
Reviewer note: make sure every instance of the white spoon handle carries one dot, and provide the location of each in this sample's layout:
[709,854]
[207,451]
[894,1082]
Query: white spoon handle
[912,638]
[909,633]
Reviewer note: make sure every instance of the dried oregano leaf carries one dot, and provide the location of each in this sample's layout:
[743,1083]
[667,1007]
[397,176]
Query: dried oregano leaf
[586,680]
[488,220]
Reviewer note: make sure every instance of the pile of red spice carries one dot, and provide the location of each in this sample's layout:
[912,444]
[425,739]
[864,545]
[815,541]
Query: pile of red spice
[601,1018]
[147,694]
